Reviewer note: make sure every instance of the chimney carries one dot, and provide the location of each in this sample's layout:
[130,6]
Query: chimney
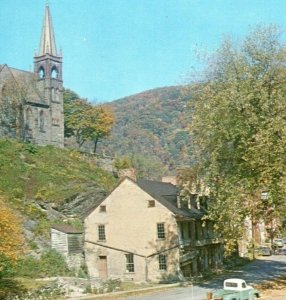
[130,173]
[170,179]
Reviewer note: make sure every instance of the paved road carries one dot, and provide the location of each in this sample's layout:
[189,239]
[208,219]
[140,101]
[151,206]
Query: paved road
[260,270]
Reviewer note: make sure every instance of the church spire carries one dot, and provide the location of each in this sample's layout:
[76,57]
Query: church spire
[47,43]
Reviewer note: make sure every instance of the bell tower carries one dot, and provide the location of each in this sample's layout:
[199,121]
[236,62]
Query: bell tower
[48,71]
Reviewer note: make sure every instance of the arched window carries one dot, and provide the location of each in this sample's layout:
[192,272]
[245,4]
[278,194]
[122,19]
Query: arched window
[29,125]
[42,121]
[29,119]
[54,73]
[5,94]
[41,73]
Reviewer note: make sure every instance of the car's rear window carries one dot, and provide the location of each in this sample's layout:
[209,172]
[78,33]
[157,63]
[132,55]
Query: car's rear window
[231,284]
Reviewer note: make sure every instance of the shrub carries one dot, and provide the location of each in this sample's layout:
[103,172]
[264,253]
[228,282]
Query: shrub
[6,266]
[50,264]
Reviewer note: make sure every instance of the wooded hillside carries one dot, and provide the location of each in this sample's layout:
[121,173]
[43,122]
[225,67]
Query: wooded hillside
[152,129]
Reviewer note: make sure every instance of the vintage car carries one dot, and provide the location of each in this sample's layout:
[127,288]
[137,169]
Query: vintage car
[264,250]
[235,289]
[278,242]
[280,251]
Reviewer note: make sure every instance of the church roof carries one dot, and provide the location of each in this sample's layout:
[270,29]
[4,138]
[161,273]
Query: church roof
[33,95]
[47,43]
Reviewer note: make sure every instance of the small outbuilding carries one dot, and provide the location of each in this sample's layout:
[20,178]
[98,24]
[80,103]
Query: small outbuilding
[68,241]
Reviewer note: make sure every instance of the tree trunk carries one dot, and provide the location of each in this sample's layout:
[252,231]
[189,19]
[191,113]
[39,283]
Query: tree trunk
[95,145]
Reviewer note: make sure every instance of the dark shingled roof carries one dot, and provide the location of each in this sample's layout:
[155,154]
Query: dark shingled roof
[34,95]
[66,228]
[166,194]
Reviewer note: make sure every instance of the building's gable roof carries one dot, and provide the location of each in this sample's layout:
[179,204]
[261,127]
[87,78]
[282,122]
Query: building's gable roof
[13,71]
[1,67]
[66,229]
[34,95]
[97,202]
[95,205]
[5,72]
[166,194]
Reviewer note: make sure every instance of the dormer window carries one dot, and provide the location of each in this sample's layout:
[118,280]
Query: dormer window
[102,208]
[151,203]
[198,203]
[178,201]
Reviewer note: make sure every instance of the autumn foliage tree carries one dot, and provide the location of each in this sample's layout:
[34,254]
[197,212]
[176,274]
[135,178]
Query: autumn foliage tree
[238,129]
[86,122]
[12,239]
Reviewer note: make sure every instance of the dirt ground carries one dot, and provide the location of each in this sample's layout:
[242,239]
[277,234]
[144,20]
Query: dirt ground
[275,290]
[274,295]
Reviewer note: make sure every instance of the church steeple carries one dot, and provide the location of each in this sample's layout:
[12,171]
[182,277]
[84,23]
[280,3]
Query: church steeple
[48,70]
[47,43]
[47,62]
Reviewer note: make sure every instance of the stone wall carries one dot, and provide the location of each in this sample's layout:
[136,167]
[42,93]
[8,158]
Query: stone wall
[39,118]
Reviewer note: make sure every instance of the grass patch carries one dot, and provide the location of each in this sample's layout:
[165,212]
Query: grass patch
[129,285]
[31,284]
[51,263]
[45,174]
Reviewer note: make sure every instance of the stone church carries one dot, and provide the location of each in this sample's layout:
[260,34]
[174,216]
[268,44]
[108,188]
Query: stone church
[31,103]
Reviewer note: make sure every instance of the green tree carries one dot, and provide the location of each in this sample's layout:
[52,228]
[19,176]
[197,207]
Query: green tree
[148,167]
[84,121]
[238,129]
[69,96]
[122,163]
[102,121]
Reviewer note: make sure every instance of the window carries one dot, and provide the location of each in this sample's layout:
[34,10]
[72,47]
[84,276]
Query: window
[54,73]
[129,262]
[151,203]
[29,124]
[182,230]
[161,230]
[101,232]
[42,73]
[231,284]
[102,208]
[42,121]
[162,262]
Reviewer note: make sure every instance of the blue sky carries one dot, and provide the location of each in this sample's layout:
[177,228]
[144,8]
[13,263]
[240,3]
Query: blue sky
[116,48]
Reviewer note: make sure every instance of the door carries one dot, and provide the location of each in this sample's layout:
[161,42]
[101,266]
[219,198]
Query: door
[102,267]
